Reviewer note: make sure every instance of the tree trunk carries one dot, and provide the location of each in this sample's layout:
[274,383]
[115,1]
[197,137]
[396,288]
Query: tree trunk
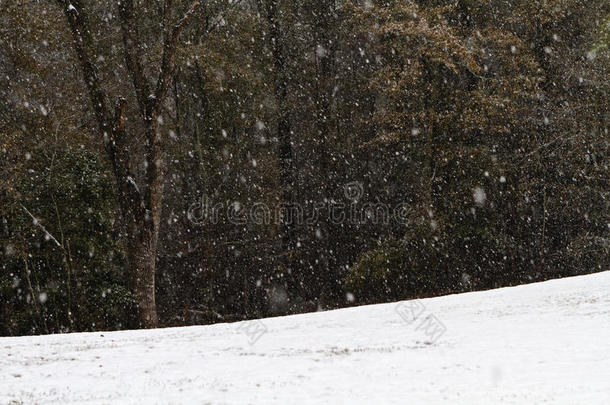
[285,150]
[325,21]
[141,258]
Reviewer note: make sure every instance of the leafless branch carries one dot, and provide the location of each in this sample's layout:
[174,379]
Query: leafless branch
[168,61]
[132,52]
[41,226]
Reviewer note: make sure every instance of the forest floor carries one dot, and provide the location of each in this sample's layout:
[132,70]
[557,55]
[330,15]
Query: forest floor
[540,343]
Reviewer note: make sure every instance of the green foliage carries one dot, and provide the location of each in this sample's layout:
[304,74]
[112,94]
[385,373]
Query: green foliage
[73,278]
[430,261]
[604,37]
[401,269]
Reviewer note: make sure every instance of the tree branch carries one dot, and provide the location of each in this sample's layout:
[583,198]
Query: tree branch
[112,126]
[132,201]
[168,61]
[219,20]
[83,44]
[133,57]
[42,227]
[155,169]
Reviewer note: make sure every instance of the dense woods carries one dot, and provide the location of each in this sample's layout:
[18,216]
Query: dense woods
[168,163]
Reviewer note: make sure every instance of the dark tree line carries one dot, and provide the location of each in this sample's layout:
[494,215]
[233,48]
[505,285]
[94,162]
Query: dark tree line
[408,148]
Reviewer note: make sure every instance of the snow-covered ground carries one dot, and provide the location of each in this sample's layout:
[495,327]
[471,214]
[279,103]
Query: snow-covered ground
[540,343]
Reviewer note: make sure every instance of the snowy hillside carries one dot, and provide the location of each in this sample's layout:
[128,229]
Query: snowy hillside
[541,343]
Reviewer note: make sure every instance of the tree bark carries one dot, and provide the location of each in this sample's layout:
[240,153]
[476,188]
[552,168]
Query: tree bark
[141,257]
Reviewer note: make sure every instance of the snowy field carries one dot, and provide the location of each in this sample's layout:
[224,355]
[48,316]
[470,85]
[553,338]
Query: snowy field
[541,343]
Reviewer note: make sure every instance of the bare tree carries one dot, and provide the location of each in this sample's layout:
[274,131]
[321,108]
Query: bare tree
[140,206]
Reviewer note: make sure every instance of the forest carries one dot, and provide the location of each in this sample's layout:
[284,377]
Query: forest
[178,162]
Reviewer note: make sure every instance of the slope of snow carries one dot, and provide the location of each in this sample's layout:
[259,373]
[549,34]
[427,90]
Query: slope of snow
[540,343]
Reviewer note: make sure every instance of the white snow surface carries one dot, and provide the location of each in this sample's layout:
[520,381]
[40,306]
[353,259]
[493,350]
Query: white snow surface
[539,343]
